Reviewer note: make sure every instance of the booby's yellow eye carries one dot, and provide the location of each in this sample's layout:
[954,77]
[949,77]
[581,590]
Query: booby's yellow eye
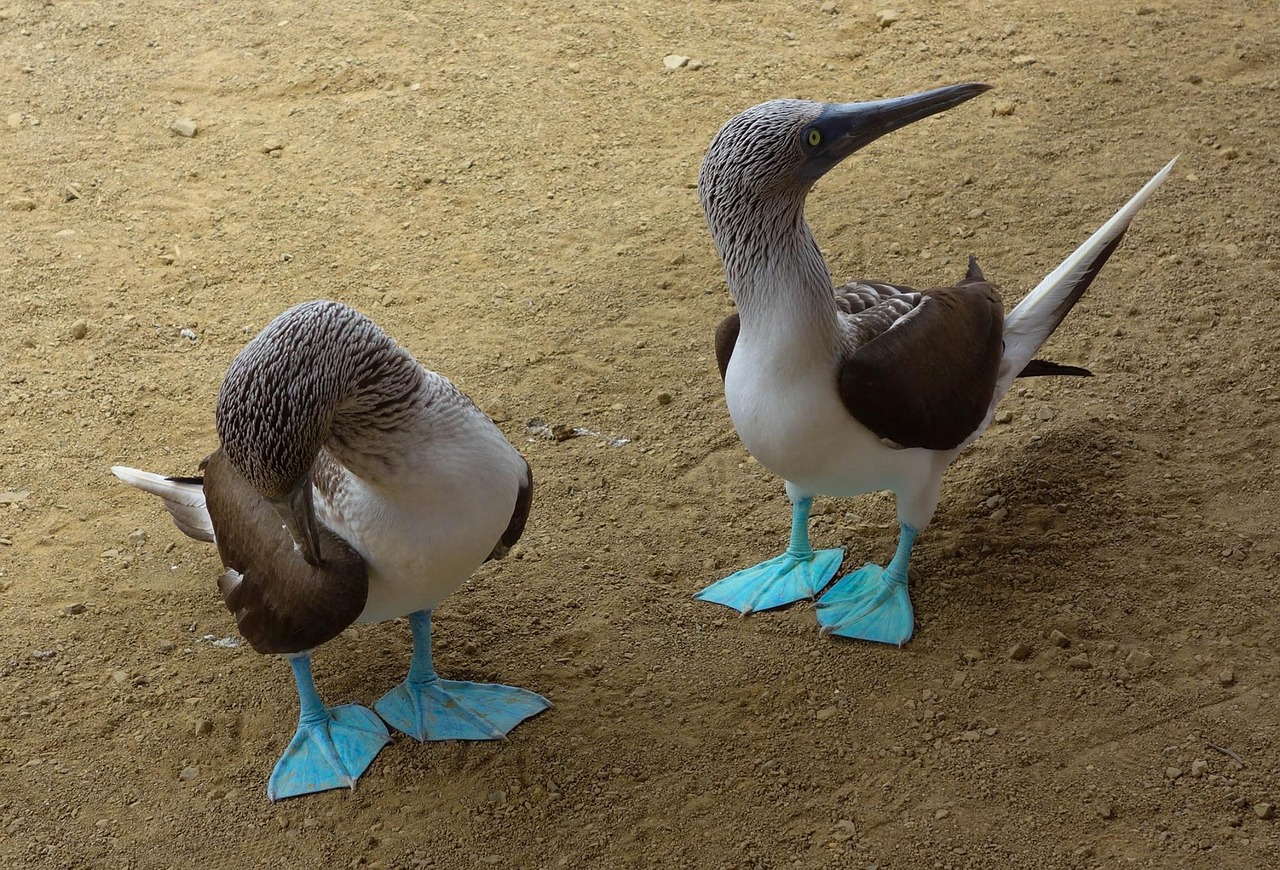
[813,137]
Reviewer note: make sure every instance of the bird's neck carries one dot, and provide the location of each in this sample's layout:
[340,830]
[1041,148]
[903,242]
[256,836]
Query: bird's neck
[779,281]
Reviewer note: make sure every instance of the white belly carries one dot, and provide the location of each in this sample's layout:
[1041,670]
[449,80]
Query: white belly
[793,421]
[423,538]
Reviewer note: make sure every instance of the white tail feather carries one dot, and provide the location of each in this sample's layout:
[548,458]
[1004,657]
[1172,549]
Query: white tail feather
[1030,323]
[184,501]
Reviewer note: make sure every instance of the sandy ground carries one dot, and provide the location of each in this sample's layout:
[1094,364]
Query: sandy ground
[508,190]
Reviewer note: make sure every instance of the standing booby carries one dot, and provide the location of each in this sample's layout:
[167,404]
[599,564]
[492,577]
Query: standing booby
[352,485]
[871,386]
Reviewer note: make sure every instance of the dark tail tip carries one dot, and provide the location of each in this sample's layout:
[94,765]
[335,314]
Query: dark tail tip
[974,273]
[1039,368]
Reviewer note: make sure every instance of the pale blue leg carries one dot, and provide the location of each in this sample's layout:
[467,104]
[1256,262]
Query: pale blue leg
[798,573]
[428,708]
[872,603]
[331,748]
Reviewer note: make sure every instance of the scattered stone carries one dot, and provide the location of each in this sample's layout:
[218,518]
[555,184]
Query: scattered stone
[1004,417]
[1199,768]
[272,146]
[826,713]
[204,727]
[1226,677]
[22,203]
[167,259]
[188,333]
[189,773]
[971,656]
[694,64]
[1104,810]
[1059,639]
[1024,60]
[844,830]
[971,736]
[1230,153]
[1173,772]
[1020,652]
[664,398]
[137,537]
[14,120]
[1045,414]
[1079,662]
[829,8]
[70,192]
[888,17]
[1002,107]
[74,609]
[941,814]
[120,676]
[184,127]
[999,514]
[79,330]
[1264,811]
[14,496]
[1138,660]
[675,61]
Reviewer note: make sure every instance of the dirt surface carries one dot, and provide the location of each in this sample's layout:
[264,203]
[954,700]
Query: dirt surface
[509,190]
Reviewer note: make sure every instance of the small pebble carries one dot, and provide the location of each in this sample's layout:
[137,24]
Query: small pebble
[120,676]
[1059,639]
[1004,417]
[271,145]
[1138,660]
[1104,810]
[22,203]
[1002,107]
[999,514]
[826,713]
[70,192]
[14,120]
[1024,60]
[1199,767]
[189,773]
[79,329]
[204,727]
[73,609]
[888,17]
[1230,153]
[941,814]
[1079,662]
[187,333]
[664,398]
[14,496]
[675,61]
[1020,652]
[829,8]
[1226,678]
[1173,772]
[1264,811]
[1045,414]
[184,127]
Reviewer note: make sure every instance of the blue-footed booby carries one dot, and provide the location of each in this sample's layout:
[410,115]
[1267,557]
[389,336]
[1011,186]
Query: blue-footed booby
[870,386]
[352,485]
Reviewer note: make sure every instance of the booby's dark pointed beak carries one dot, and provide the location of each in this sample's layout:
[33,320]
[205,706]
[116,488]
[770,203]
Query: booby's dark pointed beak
[299,516]
[843,128]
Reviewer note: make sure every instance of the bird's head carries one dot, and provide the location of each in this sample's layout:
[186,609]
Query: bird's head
[775,151]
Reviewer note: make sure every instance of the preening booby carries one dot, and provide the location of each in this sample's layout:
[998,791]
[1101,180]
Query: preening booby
[352,484]
[871,386]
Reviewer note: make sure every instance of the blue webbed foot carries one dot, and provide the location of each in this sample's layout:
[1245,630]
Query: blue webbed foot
[331,748]
[868,606]
[778,581]
[798,573]
[456,710]
[428,708]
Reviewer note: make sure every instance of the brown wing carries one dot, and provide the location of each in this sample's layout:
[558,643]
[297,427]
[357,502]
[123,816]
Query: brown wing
[519,517]
[280,602]
[726,338]
[927,379]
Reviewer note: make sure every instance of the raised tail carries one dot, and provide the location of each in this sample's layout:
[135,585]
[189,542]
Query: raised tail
[1035,318]
[183,497]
